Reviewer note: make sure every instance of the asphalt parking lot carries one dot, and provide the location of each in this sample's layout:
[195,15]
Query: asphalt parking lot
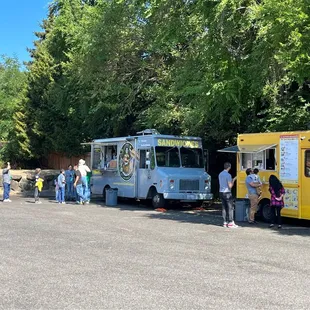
[131,257]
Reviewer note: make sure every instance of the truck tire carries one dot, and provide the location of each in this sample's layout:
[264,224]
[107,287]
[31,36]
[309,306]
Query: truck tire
[158,201]
[265,211]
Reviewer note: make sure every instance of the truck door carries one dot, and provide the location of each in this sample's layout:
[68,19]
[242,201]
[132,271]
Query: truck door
[206,159]
[145,172]
[305,184]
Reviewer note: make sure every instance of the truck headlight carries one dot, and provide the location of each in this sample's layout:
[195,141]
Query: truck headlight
[171,184]
[207,184]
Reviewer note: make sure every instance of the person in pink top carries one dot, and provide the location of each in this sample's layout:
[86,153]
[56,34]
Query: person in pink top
[277,192]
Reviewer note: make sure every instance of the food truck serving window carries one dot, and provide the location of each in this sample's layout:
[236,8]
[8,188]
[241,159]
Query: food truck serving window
[110,157]
[264,160]
[97,157]
[104,157]
[255,156]
[307,163]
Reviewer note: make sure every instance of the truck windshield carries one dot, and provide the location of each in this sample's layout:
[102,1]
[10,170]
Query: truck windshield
[191,158]
[167,156]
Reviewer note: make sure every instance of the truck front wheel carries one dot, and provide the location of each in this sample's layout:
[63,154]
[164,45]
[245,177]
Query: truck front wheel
[158,201]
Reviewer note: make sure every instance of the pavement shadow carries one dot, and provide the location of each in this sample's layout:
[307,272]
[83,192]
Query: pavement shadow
[188,217]
[210,214]
[126,204]
[30,201]
[290,227]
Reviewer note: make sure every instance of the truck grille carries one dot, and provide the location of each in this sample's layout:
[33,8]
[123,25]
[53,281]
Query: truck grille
[189,185]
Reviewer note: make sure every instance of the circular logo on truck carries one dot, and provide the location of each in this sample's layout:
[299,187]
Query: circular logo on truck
[126,161]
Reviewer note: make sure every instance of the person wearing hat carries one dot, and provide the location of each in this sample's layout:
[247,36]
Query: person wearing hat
[252,193]
[84,169]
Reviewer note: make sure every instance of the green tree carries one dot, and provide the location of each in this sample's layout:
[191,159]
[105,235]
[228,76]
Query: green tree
[13,134]
[207,68]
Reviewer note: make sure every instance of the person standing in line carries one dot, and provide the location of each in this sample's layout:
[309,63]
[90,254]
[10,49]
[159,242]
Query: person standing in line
[76,196]
[257,180]
[6,182]
[277,192]
[252,193]
[38,185]
[56,189]
[69,174]
[83,168]
[226,183]
[78,185]
[61,180]
[88,178]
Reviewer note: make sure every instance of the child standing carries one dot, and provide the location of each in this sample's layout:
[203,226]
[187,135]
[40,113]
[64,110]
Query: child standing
[38,185]
[61,181]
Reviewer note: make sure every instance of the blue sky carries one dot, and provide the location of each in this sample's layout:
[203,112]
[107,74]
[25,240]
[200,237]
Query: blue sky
[19,19]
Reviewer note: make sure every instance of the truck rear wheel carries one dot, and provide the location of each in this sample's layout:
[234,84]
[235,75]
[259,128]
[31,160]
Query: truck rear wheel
[158,201]
[265,211]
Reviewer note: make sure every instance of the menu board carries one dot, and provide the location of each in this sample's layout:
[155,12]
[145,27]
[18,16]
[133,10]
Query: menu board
[289,159]
[291,199]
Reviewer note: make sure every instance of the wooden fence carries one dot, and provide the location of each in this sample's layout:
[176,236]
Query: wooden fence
[59,161]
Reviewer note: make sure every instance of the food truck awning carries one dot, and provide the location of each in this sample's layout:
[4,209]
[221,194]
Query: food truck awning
[255,148]
[107,142]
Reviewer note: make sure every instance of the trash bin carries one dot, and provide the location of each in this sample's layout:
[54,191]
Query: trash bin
[111,196]
[242,207]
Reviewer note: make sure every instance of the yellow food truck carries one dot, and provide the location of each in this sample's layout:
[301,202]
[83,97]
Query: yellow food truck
[284,154]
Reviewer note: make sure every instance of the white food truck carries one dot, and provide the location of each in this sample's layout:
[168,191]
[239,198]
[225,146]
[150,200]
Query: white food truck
[151,166]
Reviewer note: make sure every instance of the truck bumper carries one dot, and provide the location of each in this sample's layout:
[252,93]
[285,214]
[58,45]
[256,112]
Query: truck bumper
[188,197]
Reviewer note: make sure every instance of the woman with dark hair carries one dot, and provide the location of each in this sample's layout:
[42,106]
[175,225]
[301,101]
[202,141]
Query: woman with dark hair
[277,192]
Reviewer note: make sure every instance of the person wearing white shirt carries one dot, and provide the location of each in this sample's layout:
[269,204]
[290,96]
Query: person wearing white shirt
[83,168]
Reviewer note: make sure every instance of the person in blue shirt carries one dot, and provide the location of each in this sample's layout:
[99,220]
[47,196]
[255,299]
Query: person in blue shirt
[252,193]
[61,180]
[226,184]
[69,176]
[6,174]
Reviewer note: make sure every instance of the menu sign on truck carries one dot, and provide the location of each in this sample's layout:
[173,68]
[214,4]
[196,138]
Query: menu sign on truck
[289,159]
